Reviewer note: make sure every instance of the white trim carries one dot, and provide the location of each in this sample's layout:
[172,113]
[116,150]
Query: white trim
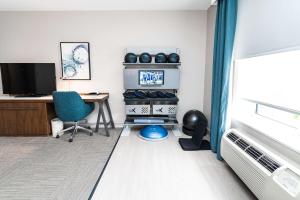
[93,125]
[126,131]
[281,134]
[176,131]
[274,51]
[278,107]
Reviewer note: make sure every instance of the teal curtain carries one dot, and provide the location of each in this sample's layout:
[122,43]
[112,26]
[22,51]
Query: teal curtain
[222,59]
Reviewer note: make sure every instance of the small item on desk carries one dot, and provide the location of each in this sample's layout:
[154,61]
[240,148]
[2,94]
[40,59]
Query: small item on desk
[94,93]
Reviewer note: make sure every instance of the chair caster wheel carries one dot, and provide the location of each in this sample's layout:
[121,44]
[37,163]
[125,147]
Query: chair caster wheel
[70,140]
[57,136]
[91,134]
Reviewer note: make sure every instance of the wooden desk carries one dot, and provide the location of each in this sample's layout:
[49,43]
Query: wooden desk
[31,116]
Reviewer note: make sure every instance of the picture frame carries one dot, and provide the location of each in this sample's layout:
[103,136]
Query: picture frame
[75,60]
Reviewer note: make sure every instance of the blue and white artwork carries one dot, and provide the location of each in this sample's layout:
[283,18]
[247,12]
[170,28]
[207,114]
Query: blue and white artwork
[75,57]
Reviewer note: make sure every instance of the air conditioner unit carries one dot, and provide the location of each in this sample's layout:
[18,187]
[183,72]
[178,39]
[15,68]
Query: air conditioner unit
[265,173]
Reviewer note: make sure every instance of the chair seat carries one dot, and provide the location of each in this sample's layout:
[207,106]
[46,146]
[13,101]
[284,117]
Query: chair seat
[69,106]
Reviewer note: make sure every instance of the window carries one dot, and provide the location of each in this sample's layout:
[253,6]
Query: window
[268,87]
[287,118]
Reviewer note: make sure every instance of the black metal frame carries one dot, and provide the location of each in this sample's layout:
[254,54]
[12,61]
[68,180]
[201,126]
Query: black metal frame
[102,114]
[62,70]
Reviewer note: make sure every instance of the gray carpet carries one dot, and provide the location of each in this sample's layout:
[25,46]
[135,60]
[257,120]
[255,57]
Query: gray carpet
[49,168]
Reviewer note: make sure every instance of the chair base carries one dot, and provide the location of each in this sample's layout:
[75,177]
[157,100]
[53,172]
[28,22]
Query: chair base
[75,129]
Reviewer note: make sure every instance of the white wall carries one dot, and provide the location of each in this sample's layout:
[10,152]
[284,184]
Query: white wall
[35,37]
[266,25]
[211,21]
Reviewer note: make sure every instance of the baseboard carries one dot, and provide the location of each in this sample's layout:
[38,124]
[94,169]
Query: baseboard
[117,125]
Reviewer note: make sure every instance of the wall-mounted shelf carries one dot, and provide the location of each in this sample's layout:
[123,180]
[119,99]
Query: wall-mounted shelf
[140,124]
[167,121]
[152,64]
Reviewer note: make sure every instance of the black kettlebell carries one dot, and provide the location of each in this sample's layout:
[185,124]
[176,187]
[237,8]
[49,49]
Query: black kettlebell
[145,58]
[161,58]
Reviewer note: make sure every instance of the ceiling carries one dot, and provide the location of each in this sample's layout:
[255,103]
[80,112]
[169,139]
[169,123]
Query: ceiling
[38,5]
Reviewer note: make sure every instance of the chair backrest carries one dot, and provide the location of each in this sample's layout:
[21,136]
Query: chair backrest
[69,106]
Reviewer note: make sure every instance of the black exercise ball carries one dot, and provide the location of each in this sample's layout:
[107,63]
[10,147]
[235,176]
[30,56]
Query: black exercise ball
[161,58]
[194,120]
[173,58]
[130,58]
[145,58]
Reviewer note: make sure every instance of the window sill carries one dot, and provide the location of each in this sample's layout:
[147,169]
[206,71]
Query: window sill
[280,133]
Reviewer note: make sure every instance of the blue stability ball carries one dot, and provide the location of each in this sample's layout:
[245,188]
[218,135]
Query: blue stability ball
[153,132]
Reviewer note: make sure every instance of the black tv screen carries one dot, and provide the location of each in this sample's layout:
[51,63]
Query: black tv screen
[28,78]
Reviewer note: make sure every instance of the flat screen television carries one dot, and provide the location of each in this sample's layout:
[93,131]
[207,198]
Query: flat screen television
[151,77]
[28,79]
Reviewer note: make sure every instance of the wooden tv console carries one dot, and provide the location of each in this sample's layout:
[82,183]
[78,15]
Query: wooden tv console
[25,118]
[31,116]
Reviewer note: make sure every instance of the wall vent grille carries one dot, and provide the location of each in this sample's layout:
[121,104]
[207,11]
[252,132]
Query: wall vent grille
[254,153]
[242,144]
[232,137]
[268,163]
[257,155]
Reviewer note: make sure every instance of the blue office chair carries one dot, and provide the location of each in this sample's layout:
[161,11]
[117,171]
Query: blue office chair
[69,107]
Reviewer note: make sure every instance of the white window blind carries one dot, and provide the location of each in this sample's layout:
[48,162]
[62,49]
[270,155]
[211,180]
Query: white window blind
[273,79]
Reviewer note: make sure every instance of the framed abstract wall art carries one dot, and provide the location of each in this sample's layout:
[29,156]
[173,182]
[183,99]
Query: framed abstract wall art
[75,60]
